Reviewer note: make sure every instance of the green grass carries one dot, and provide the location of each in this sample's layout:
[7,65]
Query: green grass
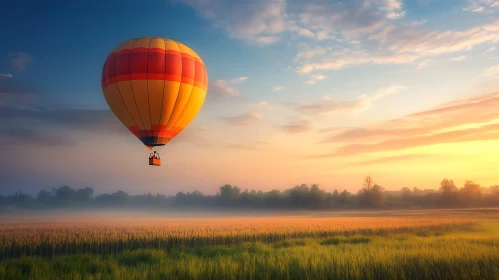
[425,254]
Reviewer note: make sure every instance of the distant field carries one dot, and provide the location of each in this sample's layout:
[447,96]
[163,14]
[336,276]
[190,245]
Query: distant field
[450,244]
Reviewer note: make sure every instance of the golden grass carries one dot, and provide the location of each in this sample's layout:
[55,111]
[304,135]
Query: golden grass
[113,236]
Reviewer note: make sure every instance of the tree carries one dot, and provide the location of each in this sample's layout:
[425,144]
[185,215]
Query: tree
[471,193]
[43,196]
[406,192]
[84,194]
[449,193]
[371,195]
[299,196]
[274,198]
[229,194]
[317,197]
[494,190]
[121,197]
[64,193]
[368,183]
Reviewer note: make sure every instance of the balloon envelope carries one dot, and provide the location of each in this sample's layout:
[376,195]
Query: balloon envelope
[155,87]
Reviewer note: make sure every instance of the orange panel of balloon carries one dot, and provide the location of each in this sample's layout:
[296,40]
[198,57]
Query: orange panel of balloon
[155,87]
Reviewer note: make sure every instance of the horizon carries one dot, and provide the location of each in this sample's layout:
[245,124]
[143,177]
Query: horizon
[309,92]
[486,189]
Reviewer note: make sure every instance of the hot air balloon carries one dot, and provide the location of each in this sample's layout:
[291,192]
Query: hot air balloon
[155,87]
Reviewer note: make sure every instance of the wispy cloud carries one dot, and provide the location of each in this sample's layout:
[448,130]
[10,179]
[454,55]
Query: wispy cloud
[242,120]
[381,160]
[298,125]
[195,135]
[458,58]
[363,31]
[480,6]
[23,124]
[258,21]
[310,52]
[473,134]
[239,80]
[16,136]
[491,71]
[277,88]
[402,44]
[20,60]
[6,75]
[470,119]
[244,146]
[328,105]
[423,64]
[314,79]
[491,49]
[264,21]
[10,89]
[222,91]
[260,106]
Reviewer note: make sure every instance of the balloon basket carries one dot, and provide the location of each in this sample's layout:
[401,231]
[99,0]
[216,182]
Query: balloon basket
[155,161]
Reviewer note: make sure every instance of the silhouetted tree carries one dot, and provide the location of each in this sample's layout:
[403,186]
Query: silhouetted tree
[371,195]
[449,193]
[298,197]
[84,194]
[317,197]
[229,195]
[471,194]
[43,197]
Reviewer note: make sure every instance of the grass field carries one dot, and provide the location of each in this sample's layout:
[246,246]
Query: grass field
[384,245]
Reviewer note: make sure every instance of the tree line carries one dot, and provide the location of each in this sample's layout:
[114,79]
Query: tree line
[370,196]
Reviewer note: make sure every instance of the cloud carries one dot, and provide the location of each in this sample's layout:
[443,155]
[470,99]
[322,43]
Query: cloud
[358,32]
[314,79]
[257,21]
[277,88]
[6,75]
[10,89]
[458,58]
[481,6]
[41,126]
[194,135]
[382,160]
[20,60]
[265,21]
[77,119]
[473,134]
[328,105]
[309,52]
[423,64]
[16,136]
[222,88]
[239,80]
[299,125]
[337,61]
[305,33]
[415,23]
[239,145]
[491,49]
[242,120]
[397,43]
[260,106]
[491,70]
[221,91]
[470,119]
[349,19]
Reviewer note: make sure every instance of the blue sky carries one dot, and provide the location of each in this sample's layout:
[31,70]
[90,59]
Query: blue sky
[300,92]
